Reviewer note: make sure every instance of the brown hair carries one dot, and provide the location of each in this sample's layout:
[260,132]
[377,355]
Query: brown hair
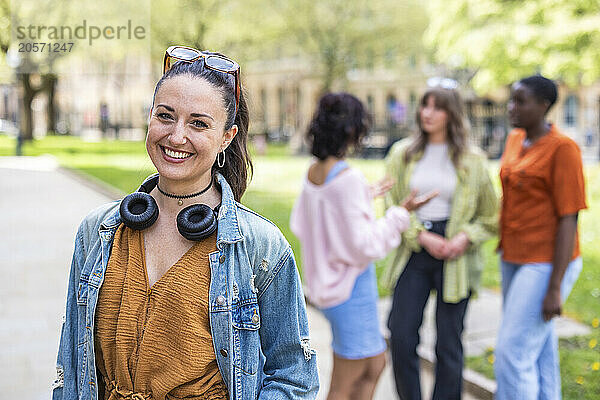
[449,101]
[237,169]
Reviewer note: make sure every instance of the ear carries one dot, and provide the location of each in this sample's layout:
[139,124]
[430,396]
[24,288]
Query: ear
[228,136]
[546,106]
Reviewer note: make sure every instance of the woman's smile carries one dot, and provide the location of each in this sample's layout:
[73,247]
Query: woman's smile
[175,156]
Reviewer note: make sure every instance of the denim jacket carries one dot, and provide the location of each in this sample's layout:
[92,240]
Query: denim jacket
[256,308]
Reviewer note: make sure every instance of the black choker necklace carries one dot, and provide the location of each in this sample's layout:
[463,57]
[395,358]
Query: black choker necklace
[186,196]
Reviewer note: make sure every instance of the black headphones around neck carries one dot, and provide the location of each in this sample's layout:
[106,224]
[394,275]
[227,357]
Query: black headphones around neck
[139,211]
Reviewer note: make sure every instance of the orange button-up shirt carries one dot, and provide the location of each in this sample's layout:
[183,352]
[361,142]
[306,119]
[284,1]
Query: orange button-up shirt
[540,184]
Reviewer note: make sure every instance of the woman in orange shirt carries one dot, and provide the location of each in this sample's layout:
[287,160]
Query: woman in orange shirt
[543,191]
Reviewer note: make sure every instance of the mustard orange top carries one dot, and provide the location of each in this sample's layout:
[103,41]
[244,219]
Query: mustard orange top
[540,184]
[156,343]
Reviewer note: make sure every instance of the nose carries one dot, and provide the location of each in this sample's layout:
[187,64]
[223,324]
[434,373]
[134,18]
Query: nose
[178,135]
[426,111]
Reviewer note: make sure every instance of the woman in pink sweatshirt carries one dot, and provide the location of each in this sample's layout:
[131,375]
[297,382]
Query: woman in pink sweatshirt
[340,237]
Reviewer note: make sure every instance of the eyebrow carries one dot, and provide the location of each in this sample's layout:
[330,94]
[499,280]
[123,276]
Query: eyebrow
[192,114]
[166,106]
[202,115]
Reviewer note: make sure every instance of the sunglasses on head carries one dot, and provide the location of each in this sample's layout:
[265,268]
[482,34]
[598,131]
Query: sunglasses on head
[444,83]
[211,61]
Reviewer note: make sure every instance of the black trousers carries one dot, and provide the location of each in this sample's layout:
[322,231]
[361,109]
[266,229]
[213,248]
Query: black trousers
[422,274]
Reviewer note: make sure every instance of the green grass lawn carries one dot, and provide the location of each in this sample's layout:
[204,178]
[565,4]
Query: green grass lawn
[276,183]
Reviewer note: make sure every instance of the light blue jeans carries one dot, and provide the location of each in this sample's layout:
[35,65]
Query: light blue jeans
[527,366]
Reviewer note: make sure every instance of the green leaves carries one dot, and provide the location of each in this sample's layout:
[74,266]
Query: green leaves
[505,40]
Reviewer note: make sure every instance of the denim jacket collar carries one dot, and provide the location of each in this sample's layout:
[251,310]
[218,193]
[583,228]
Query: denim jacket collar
[228,226]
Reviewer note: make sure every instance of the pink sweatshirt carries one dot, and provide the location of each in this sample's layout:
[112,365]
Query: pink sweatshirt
[340,236]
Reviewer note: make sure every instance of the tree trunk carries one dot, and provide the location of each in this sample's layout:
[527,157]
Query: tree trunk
[50,81]
[29,92]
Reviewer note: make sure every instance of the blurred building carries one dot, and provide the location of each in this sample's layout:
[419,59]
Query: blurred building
[106,99]
[99,99]
[283,95]
[113,100]
[9,108]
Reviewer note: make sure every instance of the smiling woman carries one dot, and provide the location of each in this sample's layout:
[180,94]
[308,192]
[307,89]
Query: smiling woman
[178,290]
[186,132]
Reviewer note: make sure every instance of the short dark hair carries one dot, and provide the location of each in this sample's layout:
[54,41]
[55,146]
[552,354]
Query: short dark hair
[339,122]
[237,170]
[543,88]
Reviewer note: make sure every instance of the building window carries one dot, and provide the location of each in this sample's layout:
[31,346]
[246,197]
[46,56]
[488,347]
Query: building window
[570,111]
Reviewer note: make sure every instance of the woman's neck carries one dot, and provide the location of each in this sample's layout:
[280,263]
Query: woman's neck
[437,137]
[537,131]
[212,197]
[318,172]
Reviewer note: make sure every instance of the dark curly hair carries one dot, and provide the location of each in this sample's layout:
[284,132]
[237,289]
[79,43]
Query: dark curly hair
[340,121]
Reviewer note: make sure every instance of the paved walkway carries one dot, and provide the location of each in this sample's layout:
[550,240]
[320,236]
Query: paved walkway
[42,208]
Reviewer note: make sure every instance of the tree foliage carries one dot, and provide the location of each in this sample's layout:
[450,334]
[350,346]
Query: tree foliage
[338,35]
[504,40]
[185,22]
[335,35]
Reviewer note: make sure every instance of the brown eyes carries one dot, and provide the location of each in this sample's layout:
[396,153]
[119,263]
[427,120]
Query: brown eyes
[164,116]
[197,123]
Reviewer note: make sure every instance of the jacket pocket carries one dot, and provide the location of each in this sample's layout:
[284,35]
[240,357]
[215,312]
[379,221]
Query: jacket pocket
[246,339]
[82,291]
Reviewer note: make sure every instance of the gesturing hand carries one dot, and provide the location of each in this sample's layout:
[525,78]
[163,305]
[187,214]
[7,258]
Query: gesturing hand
[412,201]
[381,187]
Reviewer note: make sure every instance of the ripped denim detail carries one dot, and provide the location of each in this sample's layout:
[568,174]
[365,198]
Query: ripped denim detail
[308,352]
[60,378]
[264,265]
[252,285]
[235,292]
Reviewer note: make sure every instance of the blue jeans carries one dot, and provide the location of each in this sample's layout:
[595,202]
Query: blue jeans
[526,363]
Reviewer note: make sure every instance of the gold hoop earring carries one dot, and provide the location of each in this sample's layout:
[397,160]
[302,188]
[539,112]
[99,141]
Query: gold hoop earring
[219,162]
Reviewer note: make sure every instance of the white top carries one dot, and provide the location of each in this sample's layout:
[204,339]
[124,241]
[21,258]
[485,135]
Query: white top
[435,171]
[340,236]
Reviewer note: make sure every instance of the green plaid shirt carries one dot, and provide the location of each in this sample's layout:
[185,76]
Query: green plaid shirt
[474,211]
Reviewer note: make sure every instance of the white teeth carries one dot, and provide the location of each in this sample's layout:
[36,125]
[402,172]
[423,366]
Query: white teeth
[176,154]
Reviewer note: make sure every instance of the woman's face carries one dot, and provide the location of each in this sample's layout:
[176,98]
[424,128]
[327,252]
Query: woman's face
[525,110]
[433,119]
[186,130]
